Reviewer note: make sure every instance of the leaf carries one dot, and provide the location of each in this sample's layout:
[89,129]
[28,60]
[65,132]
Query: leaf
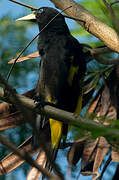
[101,151]
[9,117]
[88,153]
[12,161]
[88,173]
[75,152]
[25,58]
[41,159]
[92,84]
[92,106]
[92,154]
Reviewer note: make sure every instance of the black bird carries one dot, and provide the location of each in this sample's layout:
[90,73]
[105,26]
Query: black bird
[62,69]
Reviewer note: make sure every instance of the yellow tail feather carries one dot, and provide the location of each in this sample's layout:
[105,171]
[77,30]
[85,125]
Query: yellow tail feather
[56,132]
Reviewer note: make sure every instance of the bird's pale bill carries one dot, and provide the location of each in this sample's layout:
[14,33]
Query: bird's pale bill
[27,18]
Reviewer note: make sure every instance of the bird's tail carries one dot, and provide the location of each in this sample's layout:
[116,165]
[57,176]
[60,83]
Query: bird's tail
[53,155]
[52,131]
[56,133]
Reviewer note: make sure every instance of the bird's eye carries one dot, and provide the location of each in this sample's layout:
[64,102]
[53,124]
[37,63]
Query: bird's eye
[41,10]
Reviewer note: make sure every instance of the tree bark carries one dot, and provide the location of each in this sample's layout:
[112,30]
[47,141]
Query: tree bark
[92,24]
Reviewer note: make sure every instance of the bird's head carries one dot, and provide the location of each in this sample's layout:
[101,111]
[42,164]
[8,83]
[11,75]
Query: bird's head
[42,16]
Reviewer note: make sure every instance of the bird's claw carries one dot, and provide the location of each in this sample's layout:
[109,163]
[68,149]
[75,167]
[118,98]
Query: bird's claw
[40,103]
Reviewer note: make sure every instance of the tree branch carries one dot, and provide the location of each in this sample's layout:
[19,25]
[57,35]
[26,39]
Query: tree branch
[98,50]
[92,24]
[66,117]
[106,61]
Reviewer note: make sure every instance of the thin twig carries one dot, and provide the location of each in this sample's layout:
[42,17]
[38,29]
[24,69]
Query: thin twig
[22,4]
[76,19]
[9,73]
[106,61]
[98,50]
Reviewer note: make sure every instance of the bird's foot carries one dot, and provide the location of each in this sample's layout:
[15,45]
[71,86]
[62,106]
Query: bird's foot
[40,103]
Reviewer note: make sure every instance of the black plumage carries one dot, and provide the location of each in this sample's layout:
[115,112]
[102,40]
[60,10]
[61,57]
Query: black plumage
[62,70]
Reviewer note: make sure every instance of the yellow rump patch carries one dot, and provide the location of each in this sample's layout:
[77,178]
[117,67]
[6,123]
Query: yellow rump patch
[56,128]
[56,132]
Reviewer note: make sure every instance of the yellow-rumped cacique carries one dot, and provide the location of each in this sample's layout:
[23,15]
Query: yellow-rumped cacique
[62,69]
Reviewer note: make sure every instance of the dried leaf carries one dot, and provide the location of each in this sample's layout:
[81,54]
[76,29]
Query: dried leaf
[101,151]
[89,152]
[92,106]
[41,159]
[107,106]
[9,117]
[103,108]
[105,101]
[25,58]
[11,121]
[93,155]
[75,152]
[12,161]
[88,173]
